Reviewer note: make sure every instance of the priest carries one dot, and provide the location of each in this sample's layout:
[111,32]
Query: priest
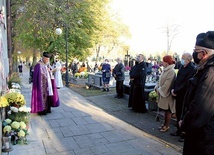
[42,89]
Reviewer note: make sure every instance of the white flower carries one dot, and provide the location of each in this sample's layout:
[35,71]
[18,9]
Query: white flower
[8,121]
[15,125]
[7,128]
[21,109]
[28,109]
[23,125]
[14,109]
[82,73]
[25,109]
[9,112]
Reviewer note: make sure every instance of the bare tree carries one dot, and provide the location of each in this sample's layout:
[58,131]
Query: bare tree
[171,33]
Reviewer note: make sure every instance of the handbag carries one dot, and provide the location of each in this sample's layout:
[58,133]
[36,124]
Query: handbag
[108,74]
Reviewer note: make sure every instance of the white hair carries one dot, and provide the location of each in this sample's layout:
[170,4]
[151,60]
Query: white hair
[188,55]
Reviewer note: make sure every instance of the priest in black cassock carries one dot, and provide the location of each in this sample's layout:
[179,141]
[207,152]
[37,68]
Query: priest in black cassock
[137,84]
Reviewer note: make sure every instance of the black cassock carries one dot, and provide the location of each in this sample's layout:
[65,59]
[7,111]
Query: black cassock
[136,94]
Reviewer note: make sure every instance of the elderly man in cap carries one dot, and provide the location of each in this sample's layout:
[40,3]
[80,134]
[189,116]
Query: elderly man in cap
[198,112]
[42,87]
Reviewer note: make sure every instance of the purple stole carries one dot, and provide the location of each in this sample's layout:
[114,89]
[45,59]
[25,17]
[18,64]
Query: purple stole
[37,99]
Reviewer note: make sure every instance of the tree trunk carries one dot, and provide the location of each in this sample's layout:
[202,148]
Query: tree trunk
[97,53]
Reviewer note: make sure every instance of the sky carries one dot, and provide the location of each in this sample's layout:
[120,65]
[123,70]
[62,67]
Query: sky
[148,20]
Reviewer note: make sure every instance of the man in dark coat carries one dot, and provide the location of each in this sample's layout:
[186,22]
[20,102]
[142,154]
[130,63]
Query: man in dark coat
[180,86]
[198,112]
[138,79]
[119,75]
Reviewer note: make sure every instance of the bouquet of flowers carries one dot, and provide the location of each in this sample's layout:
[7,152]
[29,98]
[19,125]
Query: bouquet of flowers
[15,99]
[21,114]
[17,131]
[153,96]
[15,88]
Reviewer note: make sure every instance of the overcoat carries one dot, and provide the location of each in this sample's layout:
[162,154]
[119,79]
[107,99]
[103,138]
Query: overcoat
[136,94]
[198,112]
[164,86]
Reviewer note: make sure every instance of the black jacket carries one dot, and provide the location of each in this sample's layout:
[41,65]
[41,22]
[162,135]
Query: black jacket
[198,111]
[182,79]
[118,72]
[138,73]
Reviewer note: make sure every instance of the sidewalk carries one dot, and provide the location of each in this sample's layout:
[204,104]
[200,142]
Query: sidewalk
[97,125]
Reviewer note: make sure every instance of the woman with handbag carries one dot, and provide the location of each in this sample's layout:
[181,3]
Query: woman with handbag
[106,74]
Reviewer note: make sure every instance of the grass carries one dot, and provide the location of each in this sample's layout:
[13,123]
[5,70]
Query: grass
[81,89]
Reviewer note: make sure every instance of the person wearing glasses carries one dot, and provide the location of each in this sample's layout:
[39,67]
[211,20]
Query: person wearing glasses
[42,89]
[180,86]
[197,118]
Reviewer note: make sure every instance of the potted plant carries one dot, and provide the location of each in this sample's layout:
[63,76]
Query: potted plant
[153,99]
[14,78]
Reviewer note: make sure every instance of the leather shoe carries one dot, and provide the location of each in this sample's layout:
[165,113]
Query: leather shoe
[48,111]
[42,112]
[116,96]
[181,139]
[175,134]
[164,129]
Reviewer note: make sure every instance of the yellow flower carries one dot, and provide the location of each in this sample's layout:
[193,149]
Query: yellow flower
[21,133]
[15,98]
[3,102]
[7,128]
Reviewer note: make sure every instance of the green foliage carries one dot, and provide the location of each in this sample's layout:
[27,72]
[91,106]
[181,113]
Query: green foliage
[20,116]
[14,78]
[40,17]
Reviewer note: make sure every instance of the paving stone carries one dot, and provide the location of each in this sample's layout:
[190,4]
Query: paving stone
[94,126]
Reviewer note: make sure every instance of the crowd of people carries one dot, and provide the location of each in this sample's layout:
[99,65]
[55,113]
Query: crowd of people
[187,93]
